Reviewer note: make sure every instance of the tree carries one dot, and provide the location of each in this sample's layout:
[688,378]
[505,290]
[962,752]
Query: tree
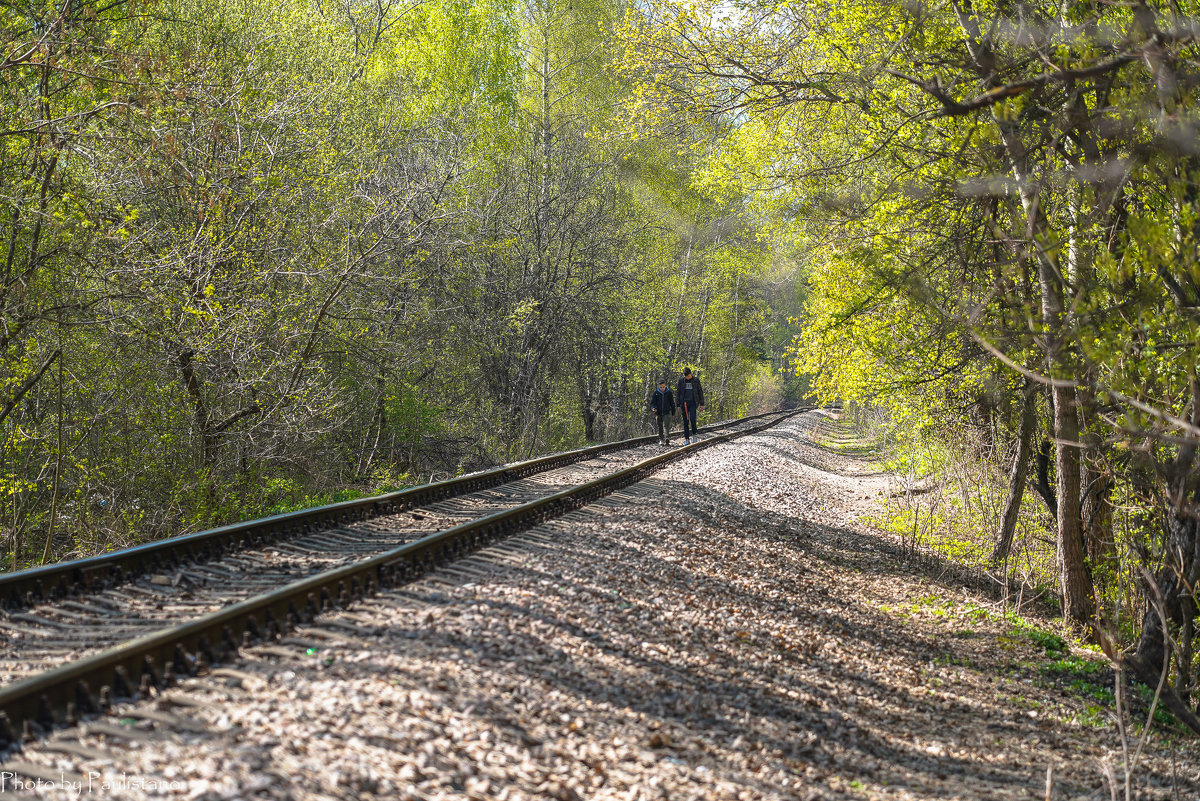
[1002,206]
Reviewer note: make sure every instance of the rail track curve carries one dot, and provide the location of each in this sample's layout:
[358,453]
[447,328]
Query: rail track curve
[87,686]
[25,588]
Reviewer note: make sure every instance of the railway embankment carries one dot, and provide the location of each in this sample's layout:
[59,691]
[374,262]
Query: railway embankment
[725,629]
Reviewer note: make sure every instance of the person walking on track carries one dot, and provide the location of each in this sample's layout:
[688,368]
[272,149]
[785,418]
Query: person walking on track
[662,403]
[690,396]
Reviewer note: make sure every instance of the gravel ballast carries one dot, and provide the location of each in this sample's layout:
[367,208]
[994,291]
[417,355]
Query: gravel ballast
[723,630]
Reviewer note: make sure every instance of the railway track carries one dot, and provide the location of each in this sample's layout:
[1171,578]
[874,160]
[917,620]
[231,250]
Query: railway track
[27,588]
[128,623]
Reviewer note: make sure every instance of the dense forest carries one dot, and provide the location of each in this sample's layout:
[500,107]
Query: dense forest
[999,205]
[258,253]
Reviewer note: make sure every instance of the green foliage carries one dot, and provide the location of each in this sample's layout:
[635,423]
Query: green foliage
[972,209]
[1053,643]
[287,253]
[410,416]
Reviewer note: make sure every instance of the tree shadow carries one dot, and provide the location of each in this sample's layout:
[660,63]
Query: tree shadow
[802,706]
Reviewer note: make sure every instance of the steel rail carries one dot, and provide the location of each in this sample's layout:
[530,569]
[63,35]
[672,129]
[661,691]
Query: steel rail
[90,685]
[24,588]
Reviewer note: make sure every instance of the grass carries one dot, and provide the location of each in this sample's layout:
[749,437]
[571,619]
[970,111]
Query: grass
[954,512]
[843,437]
[956,522]
[1051,643]
[1054,665]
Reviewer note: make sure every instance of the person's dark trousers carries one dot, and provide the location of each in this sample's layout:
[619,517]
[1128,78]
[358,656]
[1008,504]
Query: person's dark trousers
[689,419]
[664,428]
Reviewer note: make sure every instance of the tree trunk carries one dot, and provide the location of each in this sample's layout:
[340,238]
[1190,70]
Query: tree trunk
[187,373]
[58,459]
[1096,510]
[1016,479]
[1181,542]
[379,421]
[1176,579]
[1074,579]
[677,343]
[1042,482]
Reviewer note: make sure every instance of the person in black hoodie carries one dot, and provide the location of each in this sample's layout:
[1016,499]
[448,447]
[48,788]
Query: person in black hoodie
[662,403]
[690,395]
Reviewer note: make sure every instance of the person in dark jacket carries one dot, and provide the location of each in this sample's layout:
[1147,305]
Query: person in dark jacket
[662,403]
[690,396]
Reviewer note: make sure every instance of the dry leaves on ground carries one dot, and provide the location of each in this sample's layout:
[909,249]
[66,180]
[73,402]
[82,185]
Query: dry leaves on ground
[724,630]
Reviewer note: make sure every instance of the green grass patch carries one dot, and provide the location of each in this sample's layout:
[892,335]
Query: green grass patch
[298,504]
[1077,665]
[1084,678]
[1052,643]
[1092,716]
